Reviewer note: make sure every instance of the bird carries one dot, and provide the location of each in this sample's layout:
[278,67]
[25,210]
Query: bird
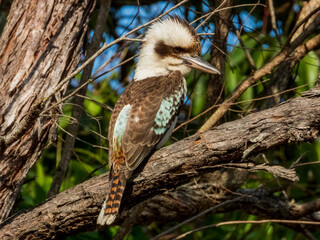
[147,111]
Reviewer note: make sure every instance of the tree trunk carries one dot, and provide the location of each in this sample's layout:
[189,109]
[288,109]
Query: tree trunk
[40,45]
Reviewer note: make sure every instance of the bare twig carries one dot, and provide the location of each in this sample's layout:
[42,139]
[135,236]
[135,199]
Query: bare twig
[266,69]
[282,221]
[72,130]
[224,8]
[123,62]
[243,25]
[133,39]
[303,21]
[274,21]
[211,14]
[96,102]
[74,92]
[79,139]
[212,209]
[206,34]
[120,52]
[236,103]
[246,52]
[106,46]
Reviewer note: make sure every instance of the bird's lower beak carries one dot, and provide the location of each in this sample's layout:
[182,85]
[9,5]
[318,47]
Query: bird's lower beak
[200,64]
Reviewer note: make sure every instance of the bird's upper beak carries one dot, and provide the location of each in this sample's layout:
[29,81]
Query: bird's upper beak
[200,64]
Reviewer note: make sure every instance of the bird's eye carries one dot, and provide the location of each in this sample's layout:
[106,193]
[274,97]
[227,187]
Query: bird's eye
[177,50]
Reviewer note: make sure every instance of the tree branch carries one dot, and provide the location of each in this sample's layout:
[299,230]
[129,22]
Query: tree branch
[76,209]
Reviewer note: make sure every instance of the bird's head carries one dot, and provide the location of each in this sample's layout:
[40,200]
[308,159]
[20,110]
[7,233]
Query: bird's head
[169,45]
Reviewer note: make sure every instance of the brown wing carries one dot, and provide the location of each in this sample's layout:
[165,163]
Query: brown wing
[146,97]
[122,101]
[134,94]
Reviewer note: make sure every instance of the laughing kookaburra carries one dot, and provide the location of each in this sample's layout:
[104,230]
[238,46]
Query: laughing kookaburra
[146,113]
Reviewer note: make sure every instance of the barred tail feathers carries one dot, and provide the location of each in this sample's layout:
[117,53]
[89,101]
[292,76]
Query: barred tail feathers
[111,205]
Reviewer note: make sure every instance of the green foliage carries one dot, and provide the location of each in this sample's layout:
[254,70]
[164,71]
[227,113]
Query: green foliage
[35,190]
[93,108]
[199,96]
[308,71]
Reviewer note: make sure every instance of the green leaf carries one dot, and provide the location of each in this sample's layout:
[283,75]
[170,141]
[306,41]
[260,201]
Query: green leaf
[93,108]
[308,71]
[199,96]
[93,155]
[233,77]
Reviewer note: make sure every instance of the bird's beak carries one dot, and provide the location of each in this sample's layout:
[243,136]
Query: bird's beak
[200,64]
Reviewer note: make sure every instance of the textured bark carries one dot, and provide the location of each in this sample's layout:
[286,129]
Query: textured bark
[39,46]
[226,146]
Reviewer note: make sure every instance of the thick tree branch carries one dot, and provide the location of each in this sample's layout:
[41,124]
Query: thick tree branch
[294,121]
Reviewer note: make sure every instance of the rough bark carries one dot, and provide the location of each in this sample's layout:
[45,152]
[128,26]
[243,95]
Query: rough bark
[39,46]
[226,146]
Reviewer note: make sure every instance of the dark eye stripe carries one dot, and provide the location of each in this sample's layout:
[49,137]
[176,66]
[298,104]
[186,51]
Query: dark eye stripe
[164,50]
[178,50]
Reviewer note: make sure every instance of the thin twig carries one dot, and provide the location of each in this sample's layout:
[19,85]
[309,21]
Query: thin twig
[266,69]
[246,52]
[133,39]
[72,129]
[274,21]
[214,208]
[82,125]
[118,53]
[236,103]
[96,102]
[222,9]
[120,64]
[300,23]
[210,15]
[106,46]
[206,34]
[245,20]
[79,139]
[86,83]
[283,221]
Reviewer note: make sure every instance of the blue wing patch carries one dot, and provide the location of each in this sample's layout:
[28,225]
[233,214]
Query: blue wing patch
[121,124]
[168,108]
